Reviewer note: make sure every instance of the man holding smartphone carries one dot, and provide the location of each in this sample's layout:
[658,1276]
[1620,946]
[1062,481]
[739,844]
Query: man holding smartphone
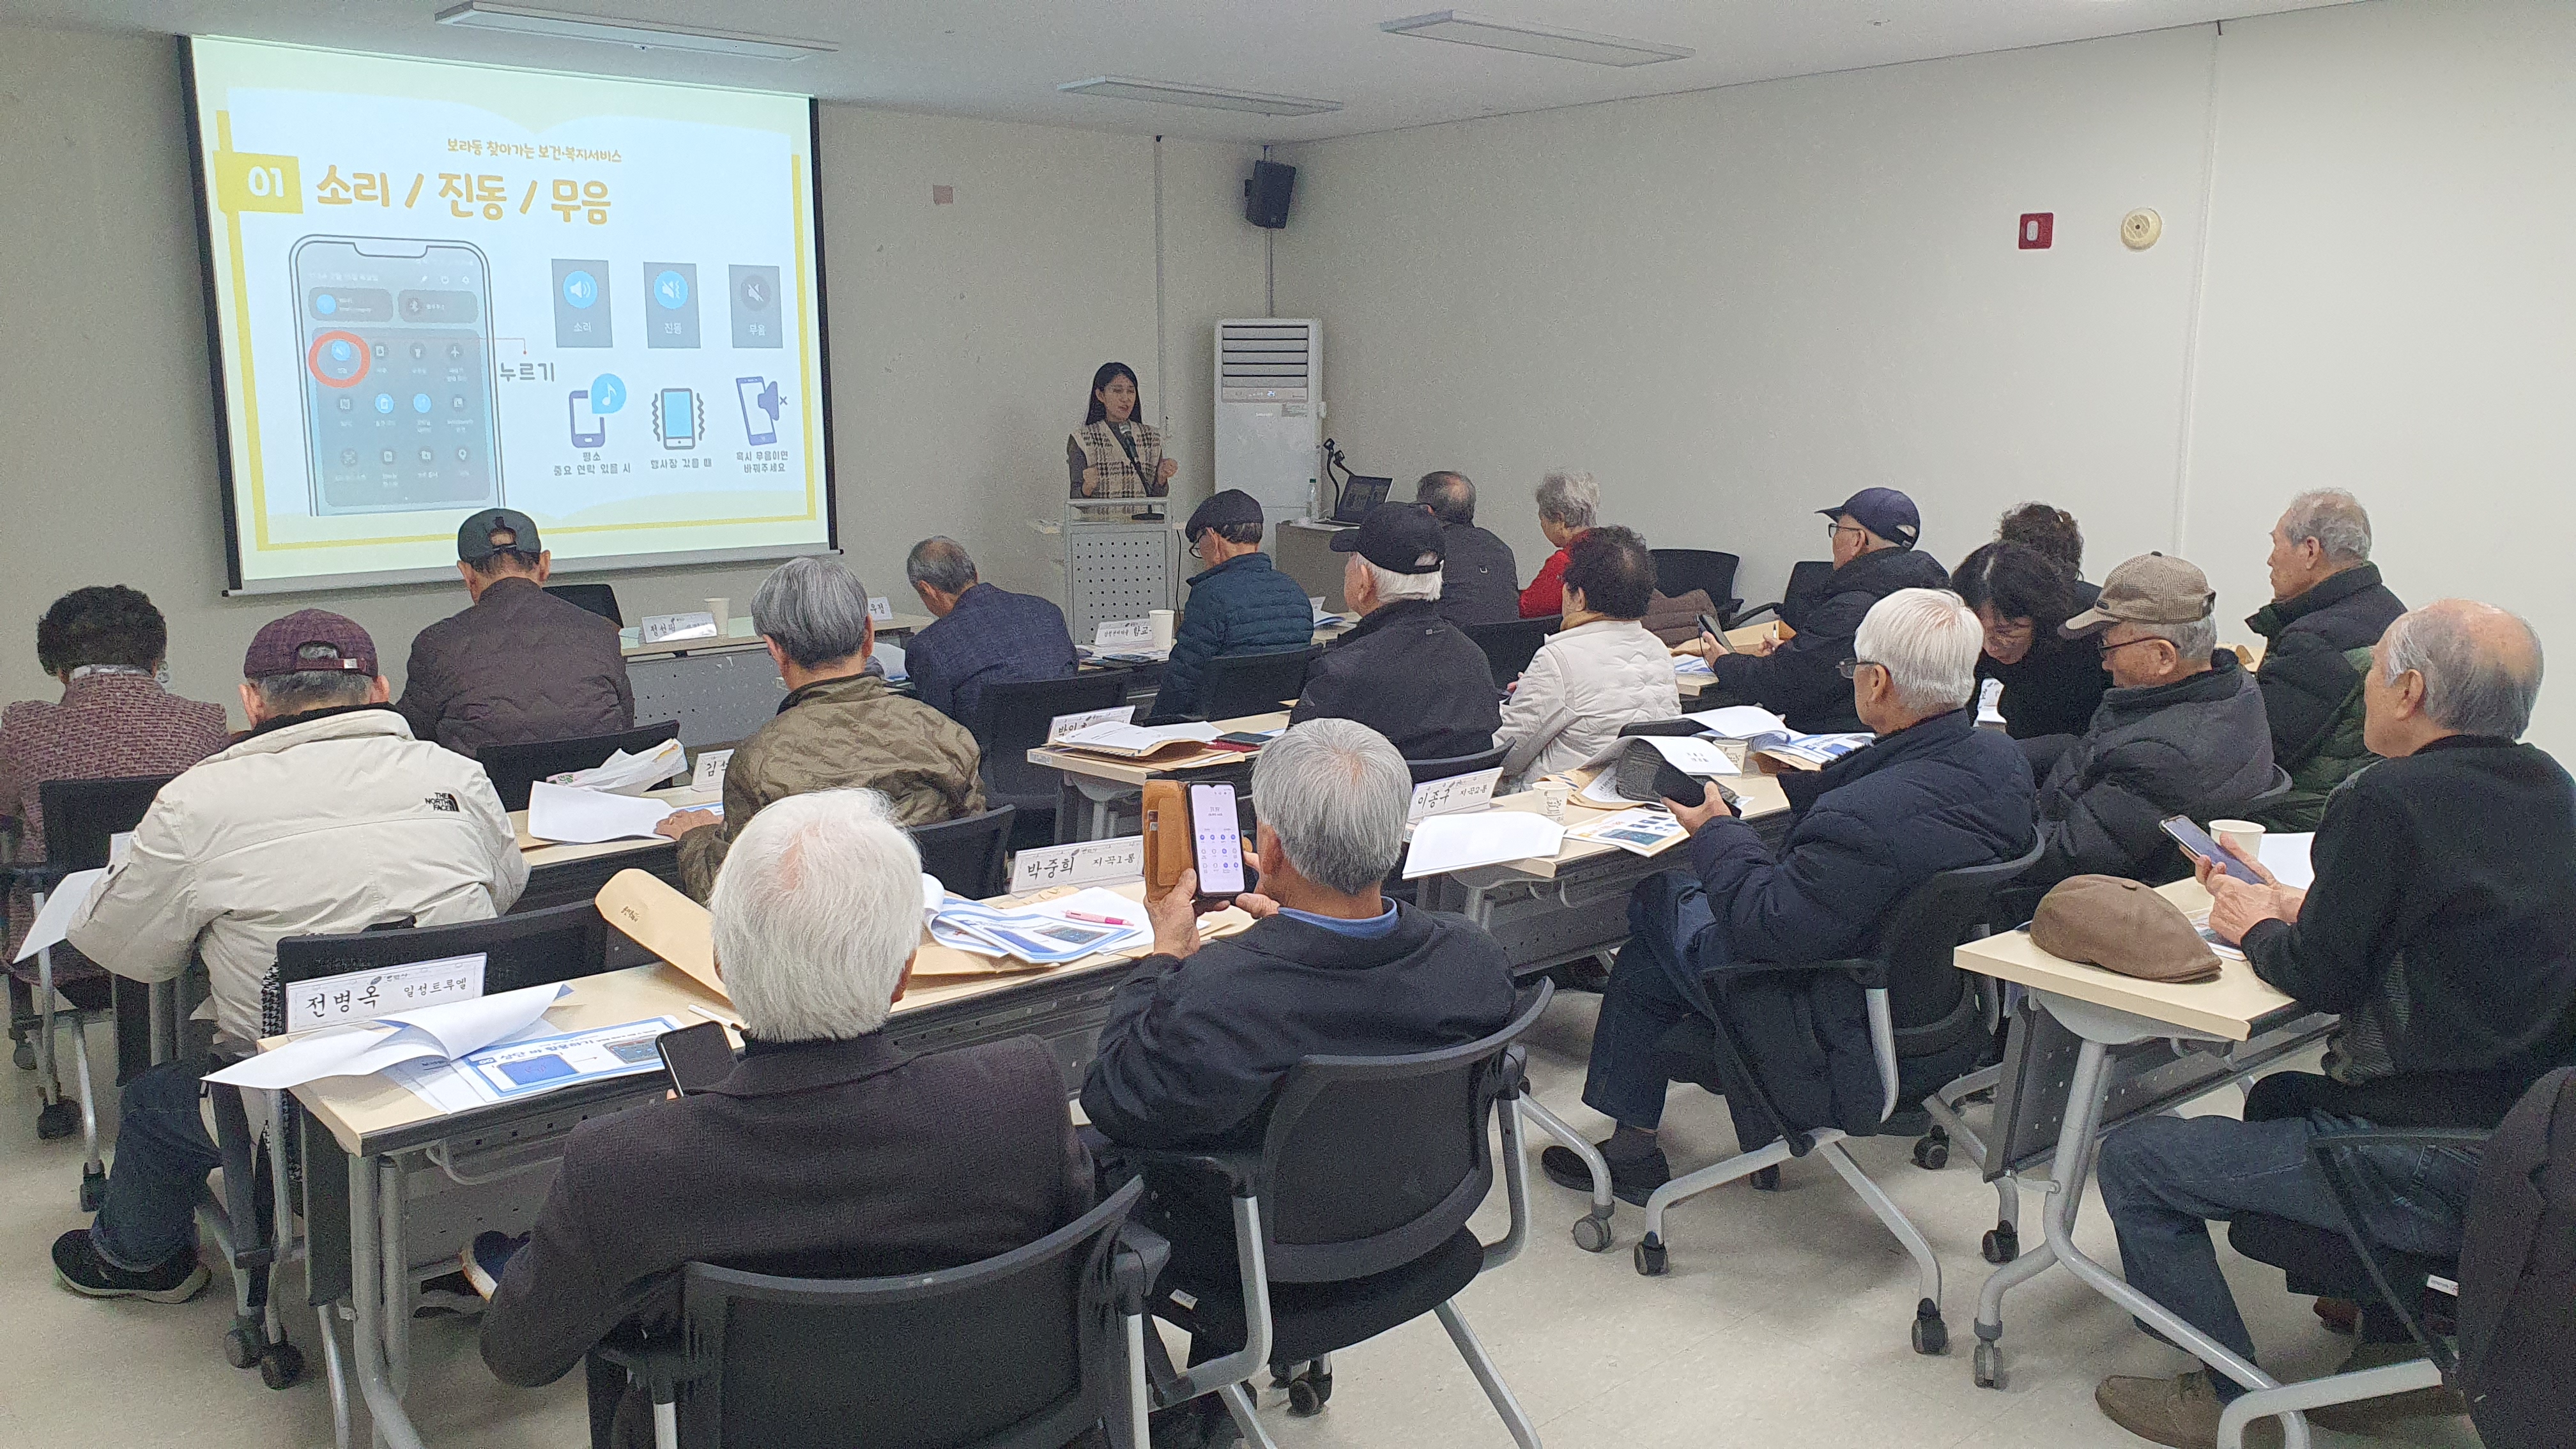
[2439,926]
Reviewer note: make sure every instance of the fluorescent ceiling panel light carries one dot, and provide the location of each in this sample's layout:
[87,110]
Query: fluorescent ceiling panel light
[1547,40]
[1177,93]
[641,34]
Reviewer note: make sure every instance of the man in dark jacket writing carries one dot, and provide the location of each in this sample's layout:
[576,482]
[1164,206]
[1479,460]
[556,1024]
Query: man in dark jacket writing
[1933,793]
[1238,605]
[1405,671]
[2440,927]
[2328,607]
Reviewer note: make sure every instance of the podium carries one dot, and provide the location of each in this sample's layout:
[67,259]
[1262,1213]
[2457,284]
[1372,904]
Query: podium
[1114,565]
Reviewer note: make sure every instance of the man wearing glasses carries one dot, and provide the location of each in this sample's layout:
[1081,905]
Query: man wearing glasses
[1873,535]
[2180,731]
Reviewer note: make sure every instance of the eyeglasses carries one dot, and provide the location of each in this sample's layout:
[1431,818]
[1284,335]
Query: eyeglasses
[1837,528]
[1851,668]
[2125,643]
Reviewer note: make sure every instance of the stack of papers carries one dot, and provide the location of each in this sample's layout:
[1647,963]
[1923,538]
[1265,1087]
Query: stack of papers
[1691,666]
[2286,857]
[533,1061]
[1484,837]
[1807,752]
[1739,721]
[1990,700]
[1086,923]
[1644,830]
[1689,754]
[1130,742]
[625,774]
[439,1033]
[580,817]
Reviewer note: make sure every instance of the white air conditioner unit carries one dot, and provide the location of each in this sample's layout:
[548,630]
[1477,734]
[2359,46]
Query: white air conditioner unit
[1270,411]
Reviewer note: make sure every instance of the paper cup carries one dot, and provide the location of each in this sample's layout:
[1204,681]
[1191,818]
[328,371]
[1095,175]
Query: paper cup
[2244,836]
[723,610]
[1161,620]
[1552,798]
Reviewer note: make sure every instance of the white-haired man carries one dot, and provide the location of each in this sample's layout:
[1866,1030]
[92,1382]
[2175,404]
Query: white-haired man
[2328,607]
[1932,793]
[829,1152]
[1405,671]
[2438,928]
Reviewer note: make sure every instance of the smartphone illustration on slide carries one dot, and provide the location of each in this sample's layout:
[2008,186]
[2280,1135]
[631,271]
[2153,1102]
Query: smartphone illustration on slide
[678,418]
[397,372]
[761,405]
[597,437]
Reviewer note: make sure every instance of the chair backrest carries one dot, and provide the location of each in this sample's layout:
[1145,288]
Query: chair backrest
[81,816]
[966,853]
[532,948]
[1015,1352]
[1425,771]
[514,768]
[600,599]
[1806,581]
[1240,684]
[1011,719]
[1371,1162]
[1680,570]
[1919,938]
[1511,644]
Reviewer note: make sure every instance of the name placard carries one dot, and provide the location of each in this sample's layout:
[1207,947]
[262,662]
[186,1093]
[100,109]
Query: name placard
[1124,634]
[1473,791]
[709,774]
[1091,862]
[365,995]
[881,608]
[667,628]
[1065,724]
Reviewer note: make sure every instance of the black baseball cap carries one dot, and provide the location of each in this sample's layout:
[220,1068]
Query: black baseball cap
[1883,511]
[474,539]
[1401,538]
[1231,506]
[309,641]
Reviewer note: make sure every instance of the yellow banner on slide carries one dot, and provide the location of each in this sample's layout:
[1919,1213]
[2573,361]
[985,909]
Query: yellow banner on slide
[244,182]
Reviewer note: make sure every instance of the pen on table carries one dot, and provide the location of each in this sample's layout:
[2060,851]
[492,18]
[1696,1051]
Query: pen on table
[1096,920]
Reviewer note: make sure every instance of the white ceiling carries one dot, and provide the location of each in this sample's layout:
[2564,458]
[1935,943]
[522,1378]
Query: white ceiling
[1004,58]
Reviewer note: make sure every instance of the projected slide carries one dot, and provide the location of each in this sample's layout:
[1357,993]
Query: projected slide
[442,287]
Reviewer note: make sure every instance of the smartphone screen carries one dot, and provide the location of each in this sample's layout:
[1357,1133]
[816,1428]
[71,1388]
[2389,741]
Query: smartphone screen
[697,1057]
[398,386]
[2196,841]
[1217,840]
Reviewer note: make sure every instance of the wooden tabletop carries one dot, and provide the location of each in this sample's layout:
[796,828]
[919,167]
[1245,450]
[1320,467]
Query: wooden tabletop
[1137,772]
[355,1109]
[1761,794]
[738,634]
[542,853]
[2227,1007]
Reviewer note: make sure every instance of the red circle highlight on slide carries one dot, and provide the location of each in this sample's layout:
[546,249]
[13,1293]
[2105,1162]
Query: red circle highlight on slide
[313,359]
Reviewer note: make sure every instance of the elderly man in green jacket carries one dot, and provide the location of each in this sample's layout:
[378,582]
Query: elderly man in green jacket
[2328,607]
[839,727]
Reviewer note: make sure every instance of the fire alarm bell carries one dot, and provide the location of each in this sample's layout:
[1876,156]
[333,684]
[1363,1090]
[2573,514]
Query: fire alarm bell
[2037,229]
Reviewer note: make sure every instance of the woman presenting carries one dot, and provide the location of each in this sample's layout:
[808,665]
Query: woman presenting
[1113,455]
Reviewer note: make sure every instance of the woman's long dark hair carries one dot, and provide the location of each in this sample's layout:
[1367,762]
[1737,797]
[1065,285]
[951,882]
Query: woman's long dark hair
[2021,583]
[1099,380]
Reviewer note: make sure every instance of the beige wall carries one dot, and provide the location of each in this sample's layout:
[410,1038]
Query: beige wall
[1739,305]
[962,338]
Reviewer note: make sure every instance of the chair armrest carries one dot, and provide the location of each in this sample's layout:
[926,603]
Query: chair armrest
[661,1364]
[1137,1259]
[1872,975]
[1748,615]
[1240,1171]
[1511,1074]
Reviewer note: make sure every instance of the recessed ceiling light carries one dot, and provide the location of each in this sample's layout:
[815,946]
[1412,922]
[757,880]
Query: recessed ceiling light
[1178,93]
[641,34]
[1548,40]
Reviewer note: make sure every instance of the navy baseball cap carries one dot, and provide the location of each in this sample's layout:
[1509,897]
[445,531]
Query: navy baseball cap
[1883,511]
[1401,538]
[474,538]
[1231,506]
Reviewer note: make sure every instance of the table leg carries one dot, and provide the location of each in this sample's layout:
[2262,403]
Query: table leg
[397,1277]
[392,1426]
[1067,801]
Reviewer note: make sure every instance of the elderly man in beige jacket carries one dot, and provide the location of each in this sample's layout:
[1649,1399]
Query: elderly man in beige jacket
[328,817]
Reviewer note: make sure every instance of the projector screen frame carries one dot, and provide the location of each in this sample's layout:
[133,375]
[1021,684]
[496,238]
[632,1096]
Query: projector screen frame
[201,194]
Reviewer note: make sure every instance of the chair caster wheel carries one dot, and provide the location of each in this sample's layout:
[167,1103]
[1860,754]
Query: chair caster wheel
[1989,1368]
[1592,1235]
[23,1056]
[242,1346]
[57,1119]
[281,1365]
[1766,1179]
[93,1189]
[1650,1258]
[1931,1335]
[1932,1150]
[1280,1377]
[2001,1245]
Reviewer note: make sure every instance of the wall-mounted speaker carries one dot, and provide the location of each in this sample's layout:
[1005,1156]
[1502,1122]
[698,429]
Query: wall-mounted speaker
[1265,195]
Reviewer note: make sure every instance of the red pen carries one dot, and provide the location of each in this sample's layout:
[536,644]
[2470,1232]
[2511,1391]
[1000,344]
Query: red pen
[1096,920]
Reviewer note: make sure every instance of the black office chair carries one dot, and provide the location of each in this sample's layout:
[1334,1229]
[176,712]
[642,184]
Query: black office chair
[82,817]
[1236,685]
[1925,1025]
[1510,645]
[514,768]
[1680,570]
[531,948]
[1806,585]
[600,599]
[1035,1347]
[1011,719]
[967,853]
[1351,1220]
[1426,771]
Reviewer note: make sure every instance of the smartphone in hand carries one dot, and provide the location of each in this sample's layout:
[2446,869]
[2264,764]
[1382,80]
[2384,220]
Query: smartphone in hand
[2196,842]
[697,1057]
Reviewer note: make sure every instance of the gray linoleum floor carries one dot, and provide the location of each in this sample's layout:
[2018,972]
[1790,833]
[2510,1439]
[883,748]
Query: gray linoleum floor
[1783,1321]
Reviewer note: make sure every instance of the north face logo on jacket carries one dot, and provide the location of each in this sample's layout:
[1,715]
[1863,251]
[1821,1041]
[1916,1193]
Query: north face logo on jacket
[443,801]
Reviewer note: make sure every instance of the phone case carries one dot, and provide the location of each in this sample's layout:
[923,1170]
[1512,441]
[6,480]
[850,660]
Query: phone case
[1168,849]
[1646,776]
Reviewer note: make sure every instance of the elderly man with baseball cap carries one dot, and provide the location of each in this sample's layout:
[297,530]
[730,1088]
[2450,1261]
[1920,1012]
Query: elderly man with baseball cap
[2180,731]
[1238,605]
[1404,671]
[327,817]
[1874,533]
[520,665]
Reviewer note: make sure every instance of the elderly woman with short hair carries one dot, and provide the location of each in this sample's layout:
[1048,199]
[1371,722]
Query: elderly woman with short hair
[1569,503]
[839,728]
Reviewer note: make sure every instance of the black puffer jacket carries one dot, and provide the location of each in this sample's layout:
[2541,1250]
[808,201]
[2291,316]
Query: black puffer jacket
[2153,751]
[1799,681]
[2311,679]
[519,666]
